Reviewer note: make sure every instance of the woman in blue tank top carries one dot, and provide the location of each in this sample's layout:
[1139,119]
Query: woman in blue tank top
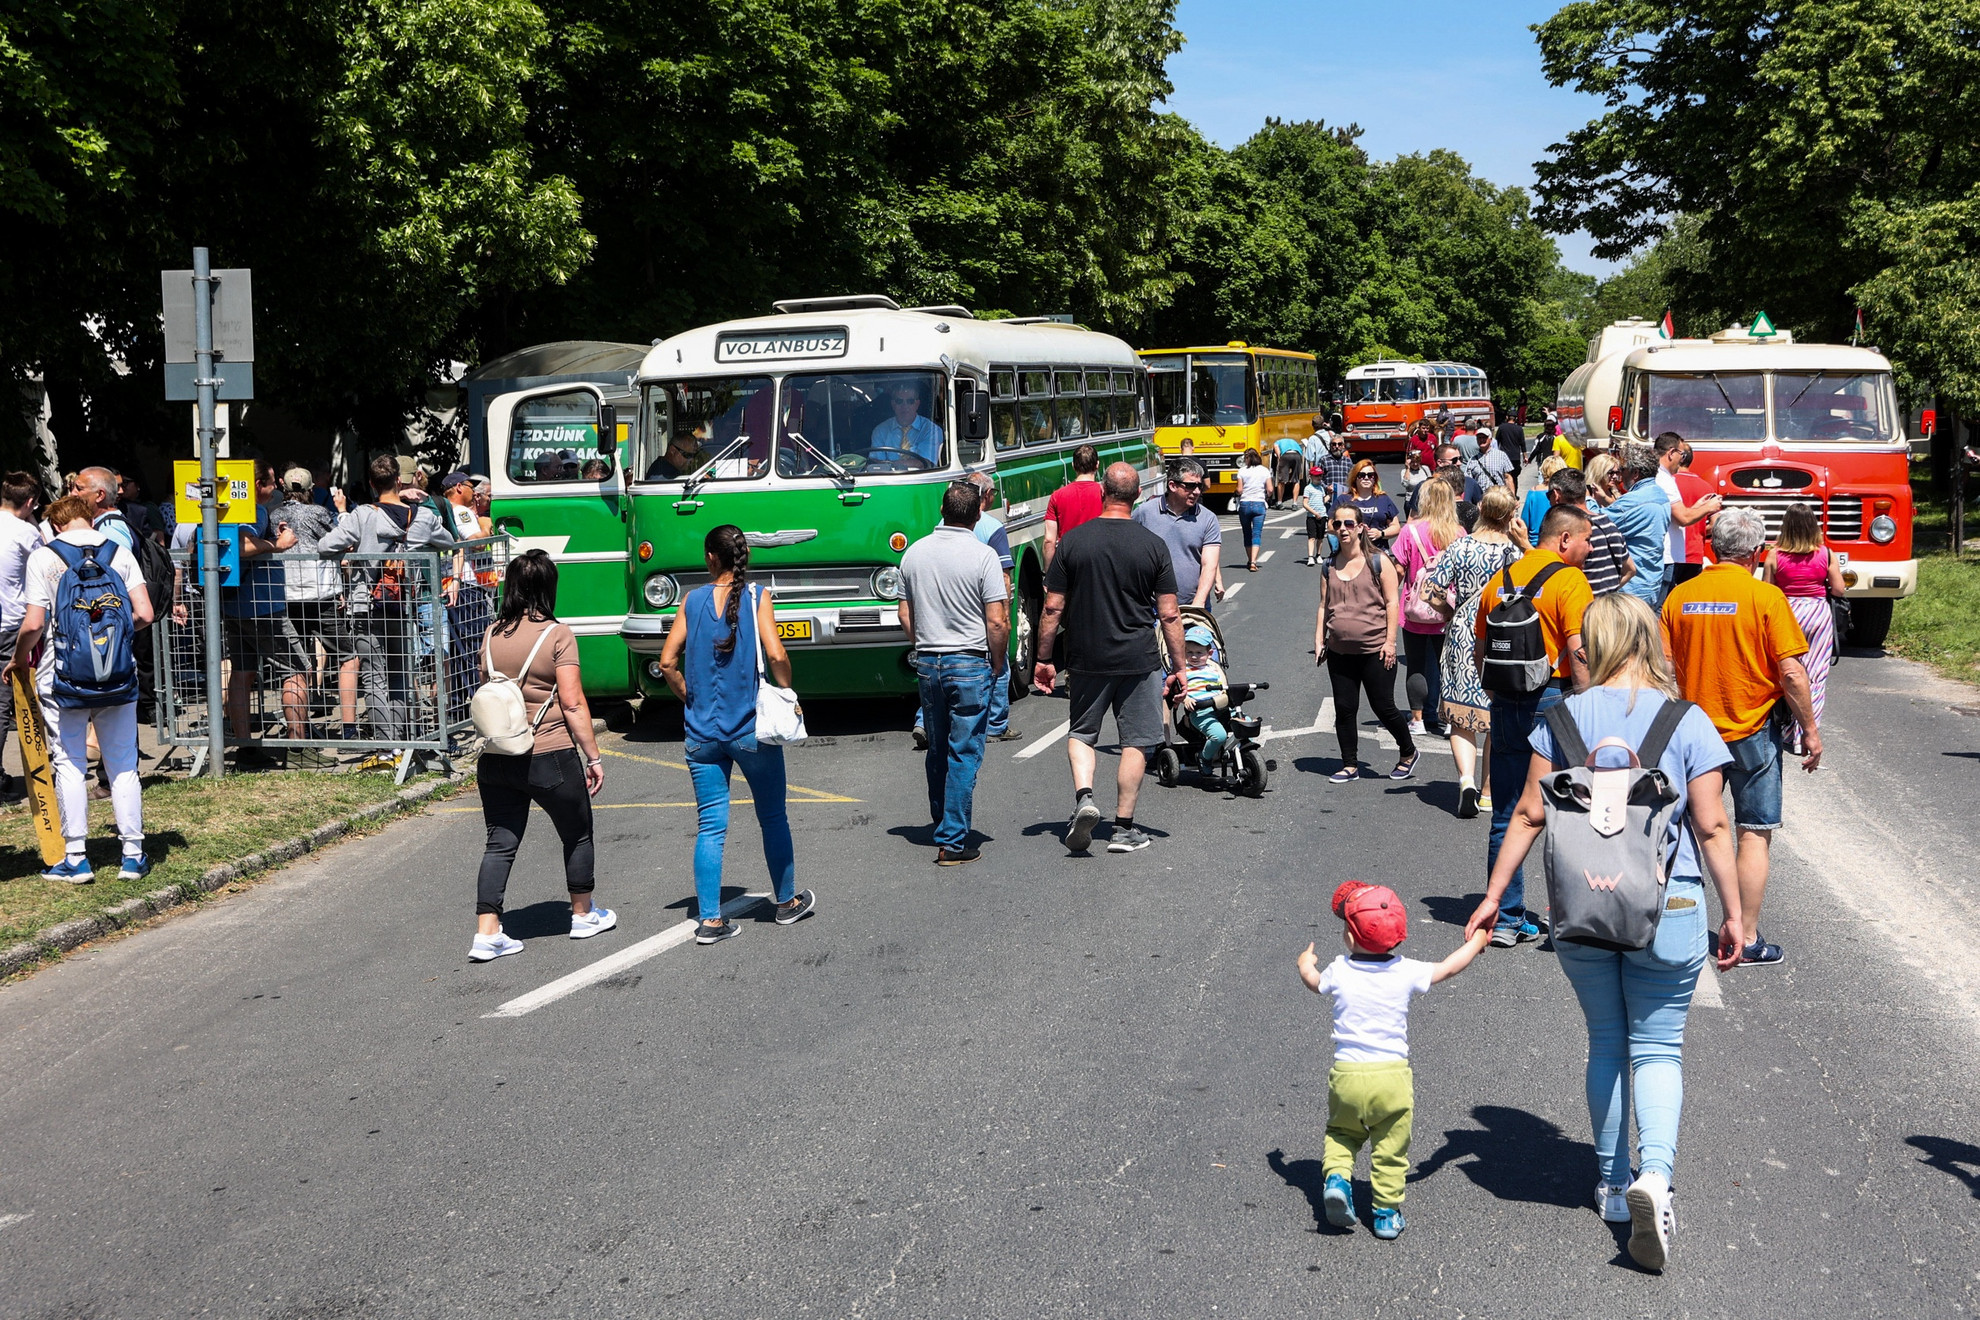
[710,661]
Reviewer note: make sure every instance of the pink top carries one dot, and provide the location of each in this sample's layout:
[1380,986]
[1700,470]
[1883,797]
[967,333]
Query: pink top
[1415,552]
[1803,574]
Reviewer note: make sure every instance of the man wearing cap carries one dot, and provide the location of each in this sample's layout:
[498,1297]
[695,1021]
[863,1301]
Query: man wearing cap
[955,609]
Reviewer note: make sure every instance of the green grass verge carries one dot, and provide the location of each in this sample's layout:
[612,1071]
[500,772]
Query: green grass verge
[1940,626]
[191,826]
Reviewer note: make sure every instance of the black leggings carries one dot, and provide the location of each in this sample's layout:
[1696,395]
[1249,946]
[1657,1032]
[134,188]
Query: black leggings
[1350,674]
[555,782]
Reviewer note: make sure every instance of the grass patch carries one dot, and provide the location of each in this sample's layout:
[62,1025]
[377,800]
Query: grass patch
[191,826]
[1940,626]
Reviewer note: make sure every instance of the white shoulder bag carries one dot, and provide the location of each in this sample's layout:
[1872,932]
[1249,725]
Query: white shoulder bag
[779,717]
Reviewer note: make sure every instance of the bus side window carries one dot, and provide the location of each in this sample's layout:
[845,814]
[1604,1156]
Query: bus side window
[1124,401]
[554,437]
[1035,409]
[1003,408]
[1072,424]
[1098,418]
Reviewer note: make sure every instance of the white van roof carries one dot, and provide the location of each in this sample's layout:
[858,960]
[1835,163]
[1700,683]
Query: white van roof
[1754,355]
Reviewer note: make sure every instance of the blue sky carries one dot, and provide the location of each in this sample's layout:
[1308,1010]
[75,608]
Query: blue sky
[1436,73]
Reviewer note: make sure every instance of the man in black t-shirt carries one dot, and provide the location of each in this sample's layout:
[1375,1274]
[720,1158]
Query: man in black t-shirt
[1111,580]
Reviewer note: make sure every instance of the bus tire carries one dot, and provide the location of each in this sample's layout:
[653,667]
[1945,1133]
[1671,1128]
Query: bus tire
[1870,621]
[1031,604]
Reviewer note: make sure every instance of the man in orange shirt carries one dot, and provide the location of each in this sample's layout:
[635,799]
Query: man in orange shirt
[1560,601]
[1736,645]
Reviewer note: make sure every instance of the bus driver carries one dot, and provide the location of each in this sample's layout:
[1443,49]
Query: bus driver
[908,431]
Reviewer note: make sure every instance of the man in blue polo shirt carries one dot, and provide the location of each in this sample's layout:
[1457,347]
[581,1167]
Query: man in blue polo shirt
[1642,513]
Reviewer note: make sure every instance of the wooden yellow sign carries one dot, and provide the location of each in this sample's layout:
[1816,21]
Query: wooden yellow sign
[234,493]
[35,768]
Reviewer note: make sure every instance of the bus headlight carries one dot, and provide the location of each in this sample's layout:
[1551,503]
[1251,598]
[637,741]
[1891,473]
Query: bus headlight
[1883,529]
[887,583]
[662,591]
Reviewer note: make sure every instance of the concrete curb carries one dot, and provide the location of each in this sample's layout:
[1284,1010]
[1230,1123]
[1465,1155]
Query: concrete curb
[67,935]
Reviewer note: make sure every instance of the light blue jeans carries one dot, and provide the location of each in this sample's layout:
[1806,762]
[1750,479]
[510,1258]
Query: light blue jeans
[1636,1004]
[956,696]
[763,770]
[1251,523]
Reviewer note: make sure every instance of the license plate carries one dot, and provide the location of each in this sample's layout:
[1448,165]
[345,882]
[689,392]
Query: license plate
[794,630]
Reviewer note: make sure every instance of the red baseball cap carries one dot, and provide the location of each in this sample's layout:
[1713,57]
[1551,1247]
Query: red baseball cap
[1375,917]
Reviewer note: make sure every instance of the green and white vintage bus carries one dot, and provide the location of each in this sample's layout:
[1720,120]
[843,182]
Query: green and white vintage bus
[827,431]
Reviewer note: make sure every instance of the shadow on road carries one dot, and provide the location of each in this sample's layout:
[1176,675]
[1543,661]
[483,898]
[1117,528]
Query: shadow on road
[1517,1156]
[1947,1156]
[1447,910]
[1309,1179]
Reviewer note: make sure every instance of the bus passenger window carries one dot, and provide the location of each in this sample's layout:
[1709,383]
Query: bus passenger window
[1072,425]
[1004,425]
[1098,418]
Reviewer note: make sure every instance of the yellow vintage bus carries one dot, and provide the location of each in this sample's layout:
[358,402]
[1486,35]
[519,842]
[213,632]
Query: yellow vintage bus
[1215,403]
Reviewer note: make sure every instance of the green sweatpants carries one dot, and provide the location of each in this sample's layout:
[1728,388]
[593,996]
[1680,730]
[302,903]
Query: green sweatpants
[1371,1102]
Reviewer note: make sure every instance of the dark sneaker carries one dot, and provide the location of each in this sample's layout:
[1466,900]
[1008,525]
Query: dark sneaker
[800,907]
[920,739]
[1760,953]
[1347,774]
[1406,768]
[1389,1223]
[710,933]
[1467,802]
[1128,840]
[1079,833]
[1008,735]
[957,856]
[1338,1202]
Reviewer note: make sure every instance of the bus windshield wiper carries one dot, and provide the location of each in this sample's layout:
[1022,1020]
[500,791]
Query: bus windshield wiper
[700,474]
[820,455]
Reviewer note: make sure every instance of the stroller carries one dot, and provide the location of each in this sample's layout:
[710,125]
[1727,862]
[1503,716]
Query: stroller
[1242,768]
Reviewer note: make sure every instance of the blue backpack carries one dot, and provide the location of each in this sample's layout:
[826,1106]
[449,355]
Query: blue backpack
[92,630]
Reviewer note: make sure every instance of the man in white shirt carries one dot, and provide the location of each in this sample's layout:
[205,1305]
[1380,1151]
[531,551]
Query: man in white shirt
[1670,457]
[19,538]
[116,724]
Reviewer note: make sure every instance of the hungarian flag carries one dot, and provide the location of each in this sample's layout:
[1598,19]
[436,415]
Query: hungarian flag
[1857,333]
[1667,327]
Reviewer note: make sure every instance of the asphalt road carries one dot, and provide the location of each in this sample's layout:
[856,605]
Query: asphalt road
[1039,1085]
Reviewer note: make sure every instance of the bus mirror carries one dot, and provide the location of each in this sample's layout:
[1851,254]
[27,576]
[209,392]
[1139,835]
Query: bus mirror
[1928,421]
[608,429]
[974,405]
[1615,419]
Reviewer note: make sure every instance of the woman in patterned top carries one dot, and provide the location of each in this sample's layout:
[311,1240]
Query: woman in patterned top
[1457,579]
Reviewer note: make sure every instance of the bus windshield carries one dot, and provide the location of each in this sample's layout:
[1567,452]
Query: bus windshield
[691,423]
[1385,389]
[1218,394]
[1708,405]
[1169,380]
[1834,405]
[868,421]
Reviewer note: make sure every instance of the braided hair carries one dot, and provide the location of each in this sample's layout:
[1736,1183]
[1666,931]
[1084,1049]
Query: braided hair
[730,549]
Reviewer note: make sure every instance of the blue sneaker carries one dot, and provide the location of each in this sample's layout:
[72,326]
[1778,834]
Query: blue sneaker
[134,868]
[1338,1201]
[1389,1223]
[75,873]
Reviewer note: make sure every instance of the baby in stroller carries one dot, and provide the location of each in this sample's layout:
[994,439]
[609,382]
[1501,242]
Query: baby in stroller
[1209,716]
[1203,680]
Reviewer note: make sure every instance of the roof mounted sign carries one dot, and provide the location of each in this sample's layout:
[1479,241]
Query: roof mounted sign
[781,345]
[1762,327]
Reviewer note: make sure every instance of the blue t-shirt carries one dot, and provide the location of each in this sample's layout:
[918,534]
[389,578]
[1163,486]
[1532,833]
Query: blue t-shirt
[1185,536]
[264,586]
[1695,748]
[992,533]
[1534,509]
[721,689]
[1641,514]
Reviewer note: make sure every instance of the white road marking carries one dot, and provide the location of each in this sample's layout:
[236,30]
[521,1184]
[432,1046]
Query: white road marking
[1267,555]
[1229,592]
[8,1221]
[1321,722]
[630,956]
[1284,518]
[1707,994]
[1050,739]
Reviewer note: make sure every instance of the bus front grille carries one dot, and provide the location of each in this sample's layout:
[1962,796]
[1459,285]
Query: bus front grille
[794,586]
[1844,513]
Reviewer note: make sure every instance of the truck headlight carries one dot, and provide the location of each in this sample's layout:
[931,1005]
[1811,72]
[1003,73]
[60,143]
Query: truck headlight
[662,591]
[1883,529]
[887,583]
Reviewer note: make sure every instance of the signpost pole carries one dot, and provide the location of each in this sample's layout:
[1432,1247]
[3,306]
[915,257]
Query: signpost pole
[209,513]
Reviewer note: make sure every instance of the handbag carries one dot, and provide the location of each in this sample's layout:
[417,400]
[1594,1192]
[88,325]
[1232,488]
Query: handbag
[779,717]
[1417,608]
[1840,619]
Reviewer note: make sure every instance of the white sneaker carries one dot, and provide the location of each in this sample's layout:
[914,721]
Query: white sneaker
[1416,727]
[487,948]
[1613,1202]
[595,922]
[1653,1218]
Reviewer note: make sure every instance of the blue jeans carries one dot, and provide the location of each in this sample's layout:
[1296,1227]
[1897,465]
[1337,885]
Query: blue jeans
[1512,724]
[1000,709]
[763,770]
[1636,1004]
[1755,779]
[956,695]
[1251,523]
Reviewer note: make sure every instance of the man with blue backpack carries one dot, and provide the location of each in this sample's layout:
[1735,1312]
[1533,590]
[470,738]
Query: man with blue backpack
[86,599]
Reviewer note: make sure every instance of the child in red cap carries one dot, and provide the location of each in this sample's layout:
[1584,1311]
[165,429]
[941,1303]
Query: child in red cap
[1371,1093]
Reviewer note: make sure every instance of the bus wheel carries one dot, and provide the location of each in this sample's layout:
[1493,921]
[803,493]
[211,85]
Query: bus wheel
[1031,603]
[1869,621]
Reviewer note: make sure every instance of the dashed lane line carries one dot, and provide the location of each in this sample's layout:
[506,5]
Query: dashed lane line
[8,1221]
[613,964]
[1232,591]
[1267,555]
[1050,738]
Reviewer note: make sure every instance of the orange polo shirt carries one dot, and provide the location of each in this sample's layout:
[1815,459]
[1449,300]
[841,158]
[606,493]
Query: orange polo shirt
[1727,632]
[1560,604]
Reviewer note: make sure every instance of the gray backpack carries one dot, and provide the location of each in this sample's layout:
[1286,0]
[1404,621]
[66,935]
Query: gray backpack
[1607,852]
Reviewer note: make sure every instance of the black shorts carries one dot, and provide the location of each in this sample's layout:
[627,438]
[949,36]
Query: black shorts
[1316,528]
[321,621]
[1135,699]
[269,638]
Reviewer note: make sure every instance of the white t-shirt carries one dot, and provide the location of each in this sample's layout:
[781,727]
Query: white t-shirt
[1371,1005]
[44,574]
[1673,534]
[1252,484]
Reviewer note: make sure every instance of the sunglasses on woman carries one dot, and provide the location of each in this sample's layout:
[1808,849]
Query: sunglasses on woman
[1348,526]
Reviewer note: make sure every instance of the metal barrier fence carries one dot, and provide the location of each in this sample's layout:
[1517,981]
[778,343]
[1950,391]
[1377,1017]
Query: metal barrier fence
[370,658]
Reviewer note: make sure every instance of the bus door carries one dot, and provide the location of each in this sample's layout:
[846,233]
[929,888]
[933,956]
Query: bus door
[555,455]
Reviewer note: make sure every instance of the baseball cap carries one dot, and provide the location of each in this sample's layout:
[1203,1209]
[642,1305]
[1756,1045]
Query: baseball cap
[298,477]
[453,479]
[407,467]
[1199,634]
[1375,917]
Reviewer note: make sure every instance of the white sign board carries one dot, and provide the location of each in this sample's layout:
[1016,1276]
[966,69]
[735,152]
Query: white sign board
[233,315]
[781,345]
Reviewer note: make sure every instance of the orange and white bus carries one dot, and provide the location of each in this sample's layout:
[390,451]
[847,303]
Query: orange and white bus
[1385,400]
[1215,403]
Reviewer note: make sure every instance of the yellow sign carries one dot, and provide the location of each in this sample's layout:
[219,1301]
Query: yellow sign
[794,630]
[234,491]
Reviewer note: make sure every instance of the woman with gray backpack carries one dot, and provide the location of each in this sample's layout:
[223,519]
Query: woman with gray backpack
[539,747]
[1626,782]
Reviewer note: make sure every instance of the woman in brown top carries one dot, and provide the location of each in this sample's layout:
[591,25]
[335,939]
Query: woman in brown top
[561,773]
[1355,634]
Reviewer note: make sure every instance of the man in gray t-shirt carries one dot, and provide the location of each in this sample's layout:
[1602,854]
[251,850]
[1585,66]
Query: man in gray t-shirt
[956,613]
[1191,532]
